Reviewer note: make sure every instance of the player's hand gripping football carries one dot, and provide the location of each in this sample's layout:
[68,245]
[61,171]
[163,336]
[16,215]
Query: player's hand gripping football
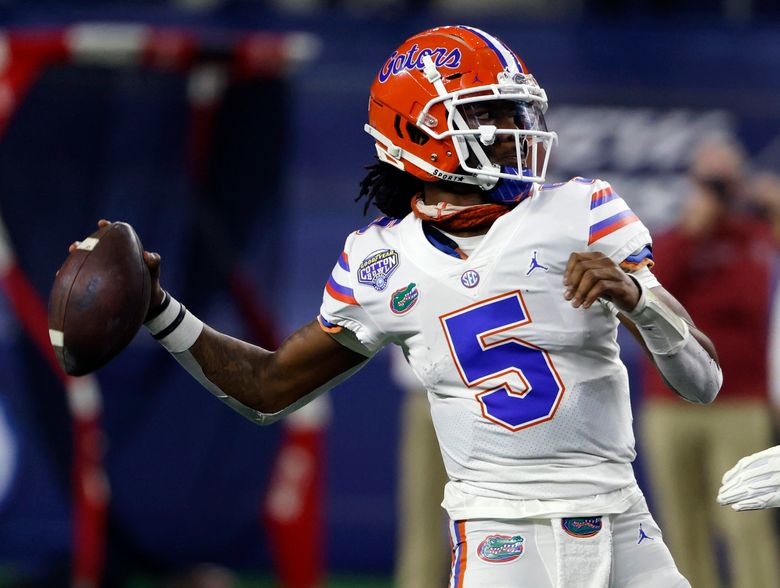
[754,482]
[592,275]
[152,261]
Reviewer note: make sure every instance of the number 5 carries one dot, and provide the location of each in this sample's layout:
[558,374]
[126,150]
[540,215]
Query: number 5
[487,354]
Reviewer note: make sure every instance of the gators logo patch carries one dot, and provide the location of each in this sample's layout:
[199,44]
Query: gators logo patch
[582,527]
[501,548]
[403,300]
[375,270]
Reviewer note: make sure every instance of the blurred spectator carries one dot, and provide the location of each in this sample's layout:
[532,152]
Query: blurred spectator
[718,261]
[422,548]
[766,190]
[754,481]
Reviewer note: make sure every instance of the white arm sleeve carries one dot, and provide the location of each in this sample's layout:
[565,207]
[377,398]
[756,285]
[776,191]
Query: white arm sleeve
[692,373]
[683,362]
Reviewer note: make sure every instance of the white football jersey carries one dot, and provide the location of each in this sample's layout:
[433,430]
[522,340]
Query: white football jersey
[528,395]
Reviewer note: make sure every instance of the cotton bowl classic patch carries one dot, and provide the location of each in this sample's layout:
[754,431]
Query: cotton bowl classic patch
[402,301]
[501,548]
[375,270]
[582,527]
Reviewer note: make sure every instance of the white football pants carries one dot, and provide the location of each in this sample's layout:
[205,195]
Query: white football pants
[614,551]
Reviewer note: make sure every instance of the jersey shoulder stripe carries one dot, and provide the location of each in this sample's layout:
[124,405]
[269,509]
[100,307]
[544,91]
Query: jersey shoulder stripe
[344,261]
[342,313]
[339,283]
[636,261]
[611,224]
[339,292]
[608,213]
[602,196]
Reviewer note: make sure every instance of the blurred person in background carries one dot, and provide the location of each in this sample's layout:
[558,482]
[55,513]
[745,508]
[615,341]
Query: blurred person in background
[718,261]
[422,550]
[754,481]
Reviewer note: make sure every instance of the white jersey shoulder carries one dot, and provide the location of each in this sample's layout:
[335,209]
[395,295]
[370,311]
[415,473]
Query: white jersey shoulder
[528,395]
[612,227]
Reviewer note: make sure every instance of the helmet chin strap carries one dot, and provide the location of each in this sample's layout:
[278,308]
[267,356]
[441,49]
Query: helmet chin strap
[385,148]
[508,191]
[504,191]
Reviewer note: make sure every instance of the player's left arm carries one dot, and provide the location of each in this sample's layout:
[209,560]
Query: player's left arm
[685,357]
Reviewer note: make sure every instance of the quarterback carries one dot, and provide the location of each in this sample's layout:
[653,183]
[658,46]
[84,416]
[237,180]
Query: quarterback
[505,294]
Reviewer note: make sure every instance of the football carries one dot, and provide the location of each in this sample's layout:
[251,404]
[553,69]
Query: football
[99,299]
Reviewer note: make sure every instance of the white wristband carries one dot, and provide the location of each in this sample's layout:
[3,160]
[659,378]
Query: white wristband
[662,329]
[174,327]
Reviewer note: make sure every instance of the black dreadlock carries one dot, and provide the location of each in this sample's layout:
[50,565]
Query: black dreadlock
[389,189]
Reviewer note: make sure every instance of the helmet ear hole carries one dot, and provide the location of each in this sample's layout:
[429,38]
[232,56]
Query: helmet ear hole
[416,135]
[397,125]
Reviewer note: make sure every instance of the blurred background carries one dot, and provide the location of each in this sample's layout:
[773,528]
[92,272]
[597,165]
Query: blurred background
[229,133]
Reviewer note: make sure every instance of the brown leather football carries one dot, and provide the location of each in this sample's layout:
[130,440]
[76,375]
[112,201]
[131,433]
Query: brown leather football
[99,299]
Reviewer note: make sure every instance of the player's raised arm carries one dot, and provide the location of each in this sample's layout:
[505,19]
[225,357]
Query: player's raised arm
[262,385]
[685,357]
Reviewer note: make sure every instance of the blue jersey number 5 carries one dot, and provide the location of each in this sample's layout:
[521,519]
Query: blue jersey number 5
[520,387]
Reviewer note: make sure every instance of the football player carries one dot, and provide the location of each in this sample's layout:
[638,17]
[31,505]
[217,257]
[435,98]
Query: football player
[505,294]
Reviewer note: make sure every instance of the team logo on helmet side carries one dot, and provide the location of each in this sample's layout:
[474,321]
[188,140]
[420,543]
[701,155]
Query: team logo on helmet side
[375,270]
[501,548]
[514,77]
[413,59]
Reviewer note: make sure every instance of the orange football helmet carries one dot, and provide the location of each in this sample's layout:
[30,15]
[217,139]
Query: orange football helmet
[455,103]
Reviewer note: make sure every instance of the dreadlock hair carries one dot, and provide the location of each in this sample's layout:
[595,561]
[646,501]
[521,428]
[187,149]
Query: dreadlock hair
[389,189]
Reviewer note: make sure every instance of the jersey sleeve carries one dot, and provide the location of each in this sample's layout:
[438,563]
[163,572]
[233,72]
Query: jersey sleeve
[638,260]
[615,230]
[342,316]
